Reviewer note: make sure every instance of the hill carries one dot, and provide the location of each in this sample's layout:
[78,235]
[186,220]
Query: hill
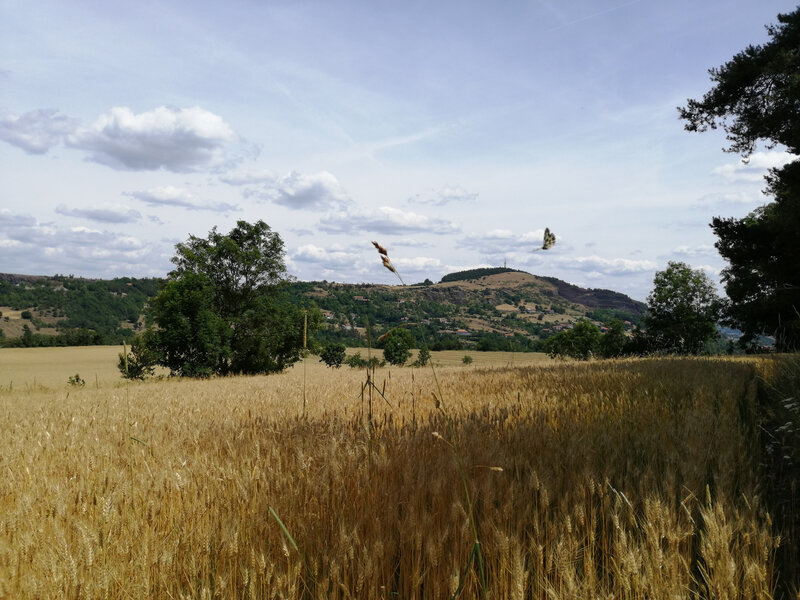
[484,308]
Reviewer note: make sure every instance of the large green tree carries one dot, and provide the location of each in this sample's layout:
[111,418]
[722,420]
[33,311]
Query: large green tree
[582,342]
[756,98]
[682,310]
[397,346]
[222,310]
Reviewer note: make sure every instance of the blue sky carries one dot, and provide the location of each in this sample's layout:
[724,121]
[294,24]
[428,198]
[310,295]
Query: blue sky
[451,132]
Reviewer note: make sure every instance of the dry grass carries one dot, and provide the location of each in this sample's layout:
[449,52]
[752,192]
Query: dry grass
[628,479]
[24,369]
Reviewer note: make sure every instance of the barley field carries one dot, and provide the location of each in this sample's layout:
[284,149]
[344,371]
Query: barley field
[613,479]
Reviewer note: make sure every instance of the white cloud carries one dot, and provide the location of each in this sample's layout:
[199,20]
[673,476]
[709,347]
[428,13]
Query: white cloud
[169,195]
[741,198]
[416,263]
[693,251]
[446,195]
[606,266]
[500,241]
[754,168]
[174,139]
[102,214]
[11,220]
[386,220]
[327,258]
[297,191]
[248,177]
[36,131]
[28,244]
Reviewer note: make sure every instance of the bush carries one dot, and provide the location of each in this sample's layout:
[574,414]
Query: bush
[356,361]
[467,360]
[26,314]
[140,362]
[333,355]
[423,357]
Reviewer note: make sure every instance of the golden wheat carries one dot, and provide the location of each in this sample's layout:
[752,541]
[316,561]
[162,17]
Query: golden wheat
[622,479]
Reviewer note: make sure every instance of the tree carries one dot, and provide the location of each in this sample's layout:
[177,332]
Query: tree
[333,355]
[682,310]
[397,346]
[755,98]
[222,311]
[612,344]
[581,342]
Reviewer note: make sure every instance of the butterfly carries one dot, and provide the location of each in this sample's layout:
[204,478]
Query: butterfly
[549,240]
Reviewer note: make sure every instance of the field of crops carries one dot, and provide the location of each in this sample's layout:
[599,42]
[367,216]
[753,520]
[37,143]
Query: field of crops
[629,479]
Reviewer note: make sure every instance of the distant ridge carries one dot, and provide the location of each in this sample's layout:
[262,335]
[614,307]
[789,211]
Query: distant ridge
[485,308]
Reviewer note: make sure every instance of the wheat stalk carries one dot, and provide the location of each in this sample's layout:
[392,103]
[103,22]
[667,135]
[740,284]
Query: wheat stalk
[384,254]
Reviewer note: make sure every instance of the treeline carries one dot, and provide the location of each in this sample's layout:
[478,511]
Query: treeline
[87,312]
[476,274]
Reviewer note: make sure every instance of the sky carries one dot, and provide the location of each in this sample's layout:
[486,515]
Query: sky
[451,132]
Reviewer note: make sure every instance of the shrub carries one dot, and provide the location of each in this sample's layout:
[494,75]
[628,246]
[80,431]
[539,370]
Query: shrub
[140,362]
[76,381]
[467,360]
[423,357]
[356,361]
[333,355]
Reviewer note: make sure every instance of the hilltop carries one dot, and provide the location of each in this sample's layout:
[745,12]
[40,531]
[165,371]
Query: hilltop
[483,308]
[486,308]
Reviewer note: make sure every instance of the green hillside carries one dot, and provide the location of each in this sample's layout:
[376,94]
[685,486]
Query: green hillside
[484,309]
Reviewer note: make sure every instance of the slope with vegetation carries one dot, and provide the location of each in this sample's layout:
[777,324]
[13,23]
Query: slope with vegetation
[486,309]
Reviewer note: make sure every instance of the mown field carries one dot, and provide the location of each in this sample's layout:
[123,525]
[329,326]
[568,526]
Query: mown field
[628,479]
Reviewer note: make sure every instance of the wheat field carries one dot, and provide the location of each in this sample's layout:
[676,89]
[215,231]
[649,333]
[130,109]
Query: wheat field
[613,479]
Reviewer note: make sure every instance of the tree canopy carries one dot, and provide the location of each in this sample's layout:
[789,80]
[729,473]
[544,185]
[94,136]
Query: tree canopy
[221,310]
[581,342]
[755,98]
[682,310]
[397,345]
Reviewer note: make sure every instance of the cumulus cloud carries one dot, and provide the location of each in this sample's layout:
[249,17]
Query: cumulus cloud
[332,258]
[294,190]
[10,220]
[36,131]
[416,263]
[27,244]
[445,195]
[693,251]
[169,195]
[173,139]
[385,220]
[754,168]
[500,241]
[102,214]
[606,266]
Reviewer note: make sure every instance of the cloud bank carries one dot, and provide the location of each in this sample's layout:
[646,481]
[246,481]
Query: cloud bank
[385,220]
[174,196]
[318,191]
[180,140]
[36,131]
